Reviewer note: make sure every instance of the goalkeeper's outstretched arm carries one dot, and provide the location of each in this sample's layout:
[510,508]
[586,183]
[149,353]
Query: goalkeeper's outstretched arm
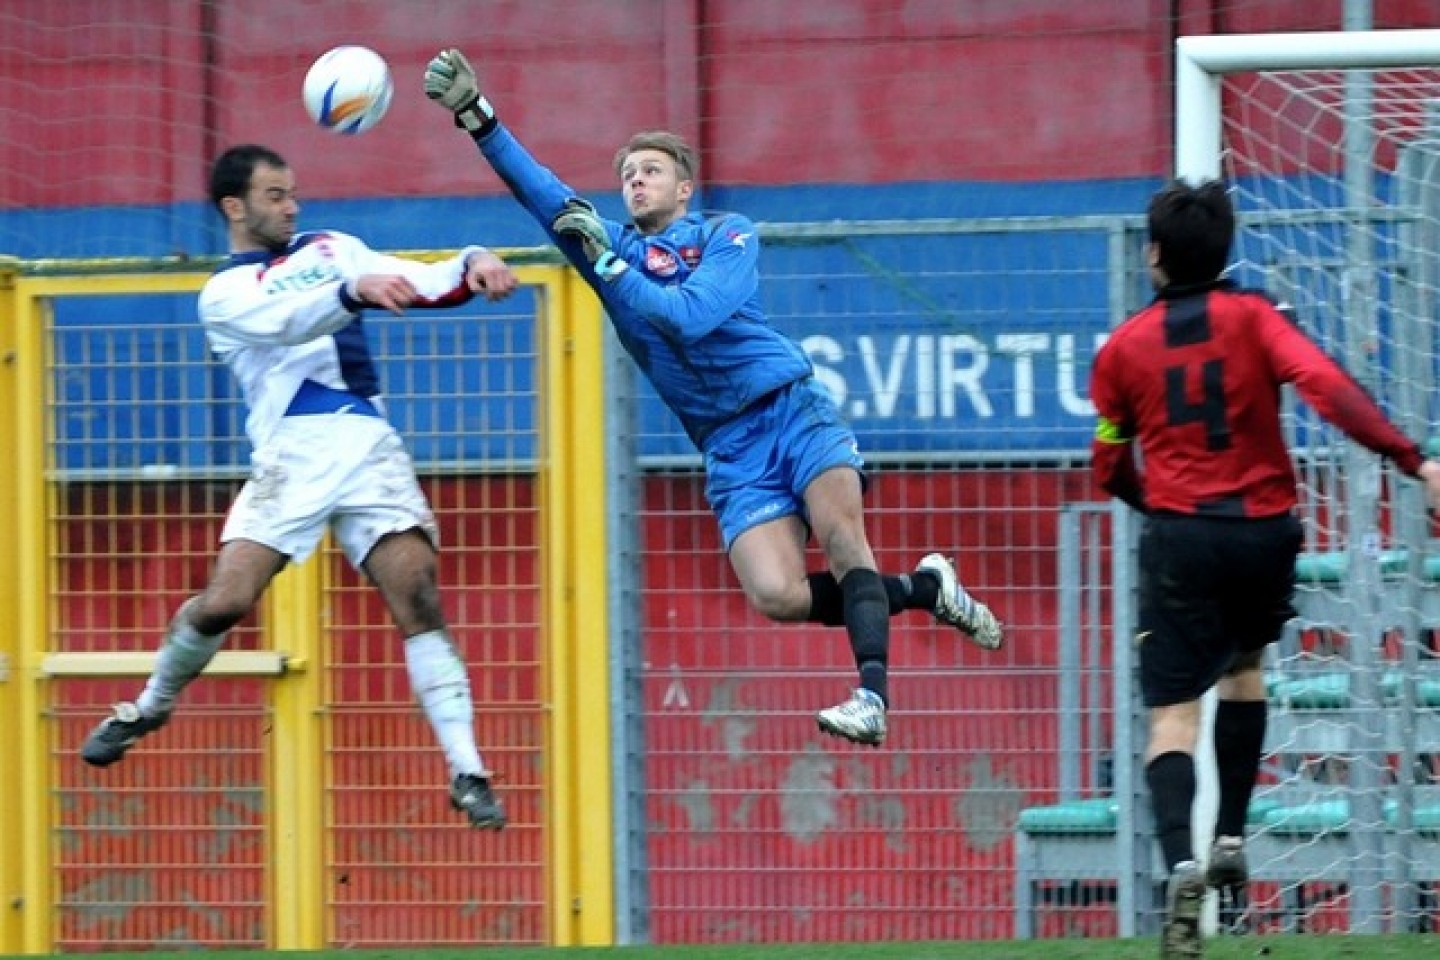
[451,82]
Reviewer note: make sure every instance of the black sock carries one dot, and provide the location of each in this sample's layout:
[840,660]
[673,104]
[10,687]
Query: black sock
[867,621]
[923,593]
[1171,777]
[902,592]
[1239,741]
[827,602]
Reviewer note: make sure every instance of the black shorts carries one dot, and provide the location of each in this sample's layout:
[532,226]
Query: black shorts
[1210,588]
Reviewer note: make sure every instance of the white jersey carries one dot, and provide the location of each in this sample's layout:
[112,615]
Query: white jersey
[286,323]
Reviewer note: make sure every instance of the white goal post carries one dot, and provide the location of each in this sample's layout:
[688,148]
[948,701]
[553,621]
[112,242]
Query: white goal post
[1202,63]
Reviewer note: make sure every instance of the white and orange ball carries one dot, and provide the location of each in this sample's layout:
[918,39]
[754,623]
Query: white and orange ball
[348,89]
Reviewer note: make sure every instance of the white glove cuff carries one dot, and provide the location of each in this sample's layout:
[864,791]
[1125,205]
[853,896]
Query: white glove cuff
[477,116]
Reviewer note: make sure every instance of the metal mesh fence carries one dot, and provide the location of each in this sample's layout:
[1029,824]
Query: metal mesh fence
[172,847]
[961,359]
[404,869]
[1333,171]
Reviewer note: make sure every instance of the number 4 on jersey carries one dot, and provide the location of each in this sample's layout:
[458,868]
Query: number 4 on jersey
[1210,410]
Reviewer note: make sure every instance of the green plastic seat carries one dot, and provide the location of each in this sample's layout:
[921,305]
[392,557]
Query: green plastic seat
[1331,691]
[1260,808]
[1333,817]
[1325,691]
[1101,815]
[1329,567]
[1090,816]
[1309,819]
[1427,692]
[1427,820]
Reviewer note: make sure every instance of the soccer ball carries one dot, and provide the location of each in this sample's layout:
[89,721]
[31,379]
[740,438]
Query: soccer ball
[348,89]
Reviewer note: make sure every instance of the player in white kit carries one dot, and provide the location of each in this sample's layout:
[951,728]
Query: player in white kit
[285,314]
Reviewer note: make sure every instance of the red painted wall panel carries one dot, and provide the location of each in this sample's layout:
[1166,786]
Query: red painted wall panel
[100,102]
[112,101]
[944,867]
[569,76]
[911,842]
[879,93]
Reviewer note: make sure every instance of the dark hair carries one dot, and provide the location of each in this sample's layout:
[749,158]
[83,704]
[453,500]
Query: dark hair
[1193,228]
[230,176]
[666,142]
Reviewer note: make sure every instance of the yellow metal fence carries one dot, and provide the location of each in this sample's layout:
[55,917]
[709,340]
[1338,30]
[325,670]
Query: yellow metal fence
[296,801]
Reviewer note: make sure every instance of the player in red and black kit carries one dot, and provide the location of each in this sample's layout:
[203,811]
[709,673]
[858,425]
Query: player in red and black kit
[1195,379]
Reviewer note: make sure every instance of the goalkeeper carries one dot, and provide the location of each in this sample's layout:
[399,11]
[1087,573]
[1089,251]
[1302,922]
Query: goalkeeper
[682,290]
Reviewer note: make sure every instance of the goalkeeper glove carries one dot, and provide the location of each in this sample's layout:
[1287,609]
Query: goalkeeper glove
[451,82]
[578,220]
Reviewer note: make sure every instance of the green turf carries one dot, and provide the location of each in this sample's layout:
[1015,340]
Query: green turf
[1276,947]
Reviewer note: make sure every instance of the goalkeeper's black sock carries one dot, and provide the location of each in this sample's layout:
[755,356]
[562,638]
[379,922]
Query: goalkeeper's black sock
[827,602]
[867,621]
[924,591]
[1171,777]
[1239,742]
[902,592]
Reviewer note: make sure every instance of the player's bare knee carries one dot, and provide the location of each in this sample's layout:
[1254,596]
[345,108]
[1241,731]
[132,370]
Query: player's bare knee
[1174,728]
[778,601]
[415,603]
[845,548]
[218,609]
[1244,680]
[425,608]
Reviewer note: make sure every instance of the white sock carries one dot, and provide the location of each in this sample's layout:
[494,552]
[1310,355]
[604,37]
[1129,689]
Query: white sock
[440,682]
[184,653]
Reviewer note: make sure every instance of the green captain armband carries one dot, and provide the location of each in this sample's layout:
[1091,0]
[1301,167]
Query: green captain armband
[1108,431]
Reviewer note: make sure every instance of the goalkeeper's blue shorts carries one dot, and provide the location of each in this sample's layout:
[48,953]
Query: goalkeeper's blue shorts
[758,465]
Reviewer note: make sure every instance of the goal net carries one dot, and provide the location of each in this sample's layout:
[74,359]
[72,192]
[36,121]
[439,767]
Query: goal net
[1331,145]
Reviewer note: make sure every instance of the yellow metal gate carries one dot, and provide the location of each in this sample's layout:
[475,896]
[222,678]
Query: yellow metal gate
[296,800]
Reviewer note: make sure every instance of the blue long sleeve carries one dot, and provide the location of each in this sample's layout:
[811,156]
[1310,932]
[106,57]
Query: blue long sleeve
[727,277]
[688,311]
[539,191]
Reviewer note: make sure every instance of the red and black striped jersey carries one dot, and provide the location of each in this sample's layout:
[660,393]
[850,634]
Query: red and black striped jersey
[1195,378]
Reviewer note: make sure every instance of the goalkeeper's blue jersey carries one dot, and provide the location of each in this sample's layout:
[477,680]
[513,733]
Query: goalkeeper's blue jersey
[688,310]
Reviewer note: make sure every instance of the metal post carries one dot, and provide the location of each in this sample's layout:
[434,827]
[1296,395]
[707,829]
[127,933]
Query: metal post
[1133,835]
[1418,191]
[1070,639]
[1092,647]
[1362,494]
[627,719]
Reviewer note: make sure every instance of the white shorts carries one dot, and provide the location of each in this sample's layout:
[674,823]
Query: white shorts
[340,471]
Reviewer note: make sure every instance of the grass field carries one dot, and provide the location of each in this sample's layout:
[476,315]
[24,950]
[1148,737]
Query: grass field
[1230,948]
